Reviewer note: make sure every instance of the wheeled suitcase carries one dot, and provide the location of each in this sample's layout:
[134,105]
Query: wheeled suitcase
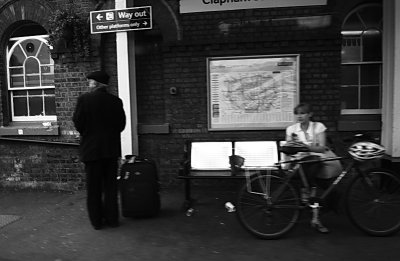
[139,188]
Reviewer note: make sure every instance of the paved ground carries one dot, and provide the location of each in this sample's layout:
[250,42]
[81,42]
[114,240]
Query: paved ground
[54,227]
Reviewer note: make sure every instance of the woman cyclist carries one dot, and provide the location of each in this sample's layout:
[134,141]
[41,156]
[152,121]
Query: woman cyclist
[312,136]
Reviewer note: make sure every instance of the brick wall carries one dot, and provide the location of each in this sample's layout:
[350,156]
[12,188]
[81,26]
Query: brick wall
[162,64]
[233,33]
[46,166]
[45,161]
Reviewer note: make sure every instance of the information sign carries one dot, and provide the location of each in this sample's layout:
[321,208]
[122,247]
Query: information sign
[135,18]
[252,92]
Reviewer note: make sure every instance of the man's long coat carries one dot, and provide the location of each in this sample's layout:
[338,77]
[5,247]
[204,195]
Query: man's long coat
[99,117]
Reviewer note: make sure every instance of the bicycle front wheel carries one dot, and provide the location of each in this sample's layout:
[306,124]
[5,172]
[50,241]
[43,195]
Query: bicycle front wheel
[373,202]
[268,207]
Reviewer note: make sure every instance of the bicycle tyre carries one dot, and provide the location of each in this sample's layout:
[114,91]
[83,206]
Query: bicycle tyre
[268,220]
[373,202]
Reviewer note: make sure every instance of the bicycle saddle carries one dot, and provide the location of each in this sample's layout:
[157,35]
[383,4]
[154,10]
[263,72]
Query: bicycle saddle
[366,150]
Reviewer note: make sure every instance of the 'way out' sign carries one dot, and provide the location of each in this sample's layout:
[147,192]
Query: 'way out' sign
[106,21]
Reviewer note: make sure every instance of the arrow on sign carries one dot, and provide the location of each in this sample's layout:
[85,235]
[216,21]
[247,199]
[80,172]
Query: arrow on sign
[99,17]
[144,23]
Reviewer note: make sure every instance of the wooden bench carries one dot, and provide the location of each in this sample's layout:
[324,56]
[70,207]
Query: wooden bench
[222,160]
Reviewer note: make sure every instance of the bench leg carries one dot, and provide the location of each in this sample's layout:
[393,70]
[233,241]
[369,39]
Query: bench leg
[188,199]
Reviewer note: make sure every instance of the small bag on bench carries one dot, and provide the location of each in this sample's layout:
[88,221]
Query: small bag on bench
[236,163]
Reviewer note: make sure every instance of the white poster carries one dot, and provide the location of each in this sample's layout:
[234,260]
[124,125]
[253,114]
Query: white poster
[253,92]
[194,6]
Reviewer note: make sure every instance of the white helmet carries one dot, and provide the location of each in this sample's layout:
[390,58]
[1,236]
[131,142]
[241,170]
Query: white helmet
[366,150]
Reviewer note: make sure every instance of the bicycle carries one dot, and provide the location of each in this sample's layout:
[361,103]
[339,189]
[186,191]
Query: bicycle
[269,203]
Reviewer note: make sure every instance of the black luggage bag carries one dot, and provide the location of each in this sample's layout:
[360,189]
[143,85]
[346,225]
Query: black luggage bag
[139,188]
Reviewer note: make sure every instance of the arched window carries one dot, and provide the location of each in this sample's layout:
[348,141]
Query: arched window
[31,79]
[361,69]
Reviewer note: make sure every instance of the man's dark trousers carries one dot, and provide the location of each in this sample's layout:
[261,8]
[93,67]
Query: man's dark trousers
[101,177]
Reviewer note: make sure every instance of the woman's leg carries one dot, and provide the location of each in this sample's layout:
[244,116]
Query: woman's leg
[312,170]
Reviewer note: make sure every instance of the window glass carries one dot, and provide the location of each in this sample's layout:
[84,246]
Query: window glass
[32,81]
[49,91]
[353,23]
[20,106]
[36,106]
[370,74]
[31,66]
[17,81]
[351,49]
[17,71]
[372,46]
[50,105]
[349,75]
[44,55]
[17,57]
[35,92]
[371,15]
[349,97]
[31,46]
[47,79]
[369,97]
[47,69]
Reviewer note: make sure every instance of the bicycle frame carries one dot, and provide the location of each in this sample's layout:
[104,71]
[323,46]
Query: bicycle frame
[297,169]
[270,202]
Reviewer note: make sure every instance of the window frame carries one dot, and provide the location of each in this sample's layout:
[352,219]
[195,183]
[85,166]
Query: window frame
[16,41]
[359,86]
[359,34]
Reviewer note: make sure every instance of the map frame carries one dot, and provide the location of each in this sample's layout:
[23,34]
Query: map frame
[255,92]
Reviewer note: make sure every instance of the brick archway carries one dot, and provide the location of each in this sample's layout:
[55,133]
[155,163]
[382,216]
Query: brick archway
[165,17]
[15,11]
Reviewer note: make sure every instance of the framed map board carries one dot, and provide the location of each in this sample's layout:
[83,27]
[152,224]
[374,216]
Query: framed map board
[252,92]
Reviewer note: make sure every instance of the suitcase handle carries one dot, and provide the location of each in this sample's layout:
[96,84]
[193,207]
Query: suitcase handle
[130,158]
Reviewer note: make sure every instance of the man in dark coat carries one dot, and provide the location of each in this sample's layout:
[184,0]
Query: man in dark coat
[99,117]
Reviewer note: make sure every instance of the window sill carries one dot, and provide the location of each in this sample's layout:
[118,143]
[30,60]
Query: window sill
[360,112]
[360,123]
[30,129]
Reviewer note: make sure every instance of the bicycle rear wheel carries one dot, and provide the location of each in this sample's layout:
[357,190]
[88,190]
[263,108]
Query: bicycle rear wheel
[373,202]
[267,207]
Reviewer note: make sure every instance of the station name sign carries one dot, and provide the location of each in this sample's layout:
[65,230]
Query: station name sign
[135,18]
[194,6]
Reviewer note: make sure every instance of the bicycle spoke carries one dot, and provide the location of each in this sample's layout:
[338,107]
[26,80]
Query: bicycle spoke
[373,202]
[264,216]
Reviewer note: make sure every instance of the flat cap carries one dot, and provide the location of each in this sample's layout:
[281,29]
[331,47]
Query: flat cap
[99,76]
